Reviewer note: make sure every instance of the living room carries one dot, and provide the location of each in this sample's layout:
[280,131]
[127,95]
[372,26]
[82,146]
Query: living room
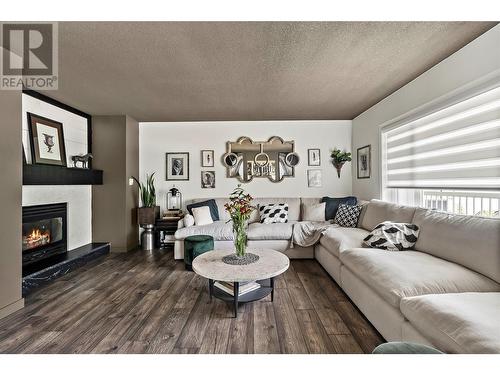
[295,187]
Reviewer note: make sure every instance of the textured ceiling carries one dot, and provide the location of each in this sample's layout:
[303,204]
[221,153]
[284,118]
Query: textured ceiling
[200,71]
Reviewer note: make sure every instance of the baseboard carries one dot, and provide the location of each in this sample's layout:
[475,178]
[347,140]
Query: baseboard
[13,307]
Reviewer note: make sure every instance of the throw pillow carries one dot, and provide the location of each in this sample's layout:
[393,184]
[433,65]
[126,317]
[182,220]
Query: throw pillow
[393,236]
[348,216]
[332,205]
[202,215]
[274,213]
[214,211]
[314,212]
[188,220]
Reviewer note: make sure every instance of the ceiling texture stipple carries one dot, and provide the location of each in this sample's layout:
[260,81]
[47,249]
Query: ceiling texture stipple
[237,71]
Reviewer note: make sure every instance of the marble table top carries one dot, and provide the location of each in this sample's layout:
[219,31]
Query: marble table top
[271,263]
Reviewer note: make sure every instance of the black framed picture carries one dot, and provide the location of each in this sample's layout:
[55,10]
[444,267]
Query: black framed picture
[46,141]
[364,161]
[207,158]
[208,179]
[313,157]
[177,166]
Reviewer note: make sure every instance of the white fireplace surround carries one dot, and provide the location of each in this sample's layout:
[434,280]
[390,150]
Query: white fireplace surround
[79,199]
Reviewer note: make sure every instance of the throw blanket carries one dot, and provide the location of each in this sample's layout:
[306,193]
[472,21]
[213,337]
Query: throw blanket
[308,233]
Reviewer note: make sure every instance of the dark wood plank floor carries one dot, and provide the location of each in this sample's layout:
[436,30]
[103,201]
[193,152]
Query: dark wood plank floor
[147,303]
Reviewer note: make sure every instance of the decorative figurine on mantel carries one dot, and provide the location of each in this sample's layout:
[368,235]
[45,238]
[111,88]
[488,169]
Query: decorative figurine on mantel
[339,158]
[84,159]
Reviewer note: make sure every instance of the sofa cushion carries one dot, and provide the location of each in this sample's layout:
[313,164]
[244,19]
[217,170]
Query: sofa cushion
[337,239]
[332,205]
[377,212]
[393,236]
[219,230]
[211,204]
[395,275]
[473,242]
[275,231]
[313,212]
[457,322]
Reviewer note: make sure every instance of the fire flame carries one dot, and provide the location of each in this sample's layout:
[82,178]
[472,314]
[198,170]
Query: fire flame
[36,238]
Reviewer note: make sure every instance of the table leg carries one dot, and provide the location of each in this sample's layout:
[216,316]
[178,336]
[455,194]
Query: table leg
[210,288]
[236,292]
[272,289]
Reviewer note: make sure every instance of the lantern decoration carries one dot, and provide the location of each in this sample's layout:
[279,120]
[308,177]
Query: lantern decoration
[174,199]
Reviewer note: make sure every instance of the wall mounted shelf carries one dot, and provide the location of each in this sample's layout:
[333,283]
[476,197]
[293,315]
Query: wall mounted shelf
[35,174]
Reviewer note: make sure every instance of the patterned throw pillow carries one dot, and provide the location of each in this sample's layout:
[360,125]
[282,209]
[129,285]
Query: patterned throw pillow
[273,213]
[393,236]
[347,216]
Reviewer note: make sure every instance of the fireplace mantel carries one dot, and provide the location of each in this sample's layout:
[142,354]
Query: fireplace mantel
[35,174]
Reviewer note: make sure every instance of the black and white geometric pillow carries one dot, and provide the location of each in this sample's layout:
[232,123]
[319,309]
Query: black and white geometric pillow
[393,236]
[274,213]
[347,216]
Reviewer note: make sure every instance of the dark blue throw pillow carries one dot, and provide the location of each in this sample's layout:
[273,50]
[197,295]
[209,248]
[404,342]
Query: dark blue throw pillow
[214,211]
[332,205]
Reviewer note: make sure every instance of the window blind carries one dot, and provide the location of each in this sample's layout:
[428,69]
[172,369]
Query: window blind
[456,147]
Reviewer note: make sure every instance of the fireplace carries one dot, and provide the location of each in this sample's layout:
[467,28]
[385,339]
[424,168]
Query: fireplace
[44,232]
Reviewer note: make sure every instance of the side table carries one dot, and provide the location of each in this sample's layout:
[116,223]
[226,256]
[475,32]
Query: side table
[164,231]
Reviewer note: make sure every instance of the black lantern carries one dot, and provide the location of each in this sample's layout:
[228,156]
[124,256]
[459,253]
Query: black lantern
[174,199]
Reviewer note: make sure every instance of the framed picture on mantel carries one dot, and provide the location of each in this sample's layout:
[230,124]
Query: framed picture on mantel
[46,141]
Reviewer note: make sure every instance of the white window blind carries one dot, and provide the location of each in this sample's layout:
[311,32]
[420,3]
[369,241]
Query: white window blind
[457,147]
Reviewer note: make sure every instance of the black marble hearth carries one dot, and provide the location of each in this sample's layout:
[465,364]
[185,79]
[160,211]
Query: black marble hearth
[42,272]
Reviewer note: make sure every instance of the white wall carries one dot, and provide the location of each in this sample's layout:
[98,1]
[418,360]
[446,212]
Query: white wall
[79,198]
[74,127]
[155,139]
[79,208]
[476,60]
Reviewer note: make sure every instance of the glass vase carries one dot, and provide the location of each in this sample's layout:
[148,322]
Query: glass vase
[240,238]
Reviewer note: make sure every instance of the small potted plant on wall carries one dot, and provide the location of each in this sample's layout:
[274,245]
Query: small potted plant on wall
[149,212]
[339,158]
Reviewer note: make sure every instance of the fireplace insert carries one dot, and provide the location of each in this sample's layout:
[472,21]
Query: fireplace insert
[44,232]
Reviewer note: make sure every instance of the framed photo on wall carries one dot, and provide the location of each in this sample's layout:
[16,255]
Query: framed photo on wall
[314,178]
[314,157]
[46,141]
[364,161]
[207,158]
[208,179]
[177,166]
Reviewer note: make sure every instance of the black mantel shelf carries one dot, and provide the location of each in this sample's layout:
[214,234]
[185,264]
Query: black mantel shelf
[35,174]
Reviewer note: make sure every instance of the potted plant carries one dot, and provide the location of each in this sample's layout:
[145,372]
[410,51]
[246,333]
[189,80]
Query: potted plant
[339,158]
[239,208]
[149,212]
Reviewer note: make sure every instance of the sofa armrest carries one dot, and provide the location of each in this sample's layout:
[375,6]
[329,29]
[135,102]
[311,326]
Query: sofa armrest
[180,224]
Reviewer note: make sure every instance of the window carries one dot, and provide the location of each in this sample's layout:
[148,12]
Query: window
[448,160]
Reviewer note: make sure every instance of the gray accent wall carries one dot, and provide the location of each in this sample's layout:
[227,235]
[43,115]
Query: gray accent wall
[115,146]
[10,202]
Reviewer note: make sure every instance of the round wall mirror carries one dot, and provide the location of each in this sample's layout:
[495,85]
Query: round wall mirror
[231,159]
[292,159]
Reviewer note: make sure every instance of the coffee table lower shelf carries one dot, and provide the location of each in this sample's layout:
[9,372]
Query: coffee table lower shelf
[267,288]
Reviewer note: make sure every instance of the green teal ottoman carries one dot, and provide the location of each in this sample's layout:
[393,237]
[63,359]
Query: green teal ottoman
[396,347]
[194,246]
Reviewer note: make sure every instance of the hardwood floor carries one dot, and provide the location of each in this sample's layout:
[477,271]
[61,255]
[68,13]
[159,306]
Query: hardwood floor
[147,303]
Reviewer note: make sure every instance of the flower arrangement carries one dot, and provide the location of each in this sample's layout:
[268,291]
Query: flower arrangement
[339,158]
[239,208]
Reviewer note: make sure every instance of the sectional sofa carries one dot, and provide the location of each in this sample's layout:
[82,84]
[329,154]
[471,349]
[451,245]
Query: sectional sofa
[444,293]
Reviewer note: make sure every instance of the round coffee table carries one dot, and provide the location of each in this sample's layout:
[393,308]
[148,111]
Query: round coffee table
[271,263]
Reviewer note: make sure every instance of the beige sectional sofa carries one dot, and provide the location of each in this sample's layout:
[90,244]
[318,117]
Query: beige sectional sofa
[444,293]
